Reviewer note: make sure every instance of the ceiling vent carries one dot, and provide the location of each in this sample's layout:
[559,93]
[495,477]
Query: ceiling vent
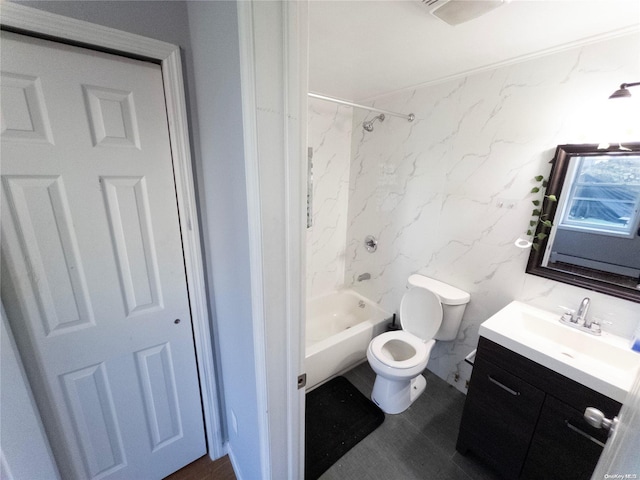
[455,12]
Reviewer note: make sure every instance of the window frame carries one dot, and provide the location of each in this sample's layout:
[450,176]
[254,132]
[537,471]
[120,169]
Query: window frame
[629,231]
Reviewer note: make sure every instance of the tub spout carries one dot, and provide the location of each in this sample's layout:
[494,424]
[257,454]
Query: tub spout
[364,276]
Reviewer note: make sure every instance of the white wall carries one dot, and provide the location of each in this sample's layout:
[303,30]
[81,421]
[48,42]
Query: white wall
[221,178]
[329,135]
[429,190]
[207,33]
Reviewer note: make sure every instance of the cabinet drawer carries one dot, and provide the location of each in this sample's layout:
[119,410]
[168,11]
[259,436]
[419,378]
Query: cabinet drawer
[564,445]
[499,417]
[568,391]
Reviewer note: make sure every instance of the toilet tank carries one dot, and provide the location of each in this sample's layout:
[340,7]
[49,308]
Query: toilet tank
[453,301]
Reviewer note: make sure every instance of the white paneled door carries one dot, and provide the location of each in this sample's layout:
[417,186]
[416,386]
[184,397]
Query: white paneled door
[93,276]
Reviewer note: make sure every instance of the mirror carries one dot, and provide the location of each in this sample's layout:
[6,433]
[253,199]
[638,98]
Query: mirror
[594,242]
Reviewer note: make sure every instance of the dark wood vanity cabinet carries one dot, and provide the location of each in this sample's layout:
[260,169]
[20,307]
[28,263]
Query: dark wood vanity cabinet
[500,416]
[525,420]
[564,445]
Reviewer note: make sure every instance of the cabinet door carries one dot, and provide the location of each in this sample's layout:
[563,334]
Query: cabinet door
[499,418]
[564,445]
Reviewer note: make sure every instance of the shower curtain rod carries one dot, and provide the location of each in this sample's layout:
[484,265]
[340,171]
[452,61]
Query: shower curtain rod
[409,117]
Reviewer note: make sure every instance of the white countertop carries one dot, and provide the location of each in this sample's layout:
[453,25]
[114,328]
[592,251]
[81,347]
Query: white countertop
[603,363]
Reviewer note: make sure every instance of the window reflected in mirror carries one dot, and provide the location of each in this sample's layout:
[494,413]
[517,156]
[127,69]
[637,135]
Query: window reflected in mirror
[604,196]
[595,239]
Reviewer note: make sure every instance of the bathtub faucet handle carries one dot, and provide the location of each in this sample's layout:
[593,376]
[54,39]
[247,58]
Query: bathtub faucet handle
[364,276]
[370,243]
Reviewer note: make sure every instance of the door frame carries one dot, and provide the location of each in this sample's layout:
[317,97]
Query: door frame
[274,63]
[28,20]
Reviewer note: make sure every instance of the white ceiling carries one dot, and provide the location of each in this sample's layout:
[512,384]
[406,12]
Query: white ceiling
[359,50]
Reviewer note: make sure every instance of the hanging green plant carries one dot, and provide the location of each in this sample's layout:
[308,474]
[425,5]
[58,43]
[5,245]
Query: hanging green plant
[538,217]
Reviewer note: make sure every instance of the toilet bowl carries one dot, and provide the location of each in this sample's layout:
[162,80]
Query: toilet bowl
[399,357]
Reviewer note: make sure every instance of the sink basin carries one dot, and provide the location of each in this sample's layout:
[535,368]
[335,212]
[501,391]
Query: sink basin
[603,363]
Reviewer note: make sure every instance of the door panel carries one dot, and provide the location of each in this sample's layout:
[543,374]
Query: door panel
[90,402]
[127,204]
[40,210]
[93,272]
[155,371]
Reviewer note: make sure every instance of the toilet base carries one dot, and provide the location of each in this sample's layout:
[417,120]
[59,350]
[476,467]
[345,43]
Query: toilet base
[395,396]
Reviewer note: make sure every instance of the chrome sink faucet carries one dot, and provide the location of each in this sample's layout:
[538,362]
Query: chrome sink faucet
[581,314]
[580,321]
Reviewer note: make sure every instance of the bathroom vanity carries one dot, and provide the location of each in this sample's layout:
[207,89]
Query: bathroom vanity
[532,381]
[526,420]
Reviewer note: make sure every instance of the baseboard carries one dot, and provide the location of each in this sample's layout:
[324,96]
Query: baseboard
[234,463]
[224,450]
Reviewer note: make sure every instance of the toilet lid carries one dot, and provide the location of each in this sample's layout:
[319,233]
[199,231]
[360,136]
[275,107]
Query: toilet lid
[420,313]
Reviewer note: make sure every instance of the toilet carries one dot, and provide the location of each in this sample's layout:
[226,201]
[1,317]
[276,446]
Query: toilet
[430,310]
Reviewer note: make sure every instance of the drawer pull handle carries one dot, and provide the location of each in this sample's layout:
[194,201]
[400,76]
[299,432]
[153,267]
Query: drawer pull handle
[502,386]
[584,434]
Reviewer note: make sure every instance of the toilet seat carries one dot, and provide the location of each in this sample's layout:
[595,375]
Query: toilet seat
[380,343]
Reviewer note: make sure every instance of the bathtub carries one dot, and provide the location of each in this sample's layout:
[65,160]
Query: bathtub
[339,327]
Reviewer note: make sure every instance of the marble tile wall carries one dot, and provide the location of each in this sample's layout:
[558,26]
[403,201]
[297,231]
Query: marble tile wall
[430,190]
[329,135]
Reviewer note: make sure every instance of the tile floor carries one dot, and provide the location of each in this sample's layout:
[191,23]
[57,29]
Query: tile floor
[419,443]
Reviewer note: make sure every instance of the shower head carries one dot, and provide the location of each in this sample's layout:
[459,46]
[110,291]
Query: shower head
[624,92]
[368,125]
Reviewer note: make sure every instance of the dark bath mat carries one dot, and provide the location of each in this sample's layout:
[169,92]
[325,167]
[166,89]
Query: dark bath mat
[337,417]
